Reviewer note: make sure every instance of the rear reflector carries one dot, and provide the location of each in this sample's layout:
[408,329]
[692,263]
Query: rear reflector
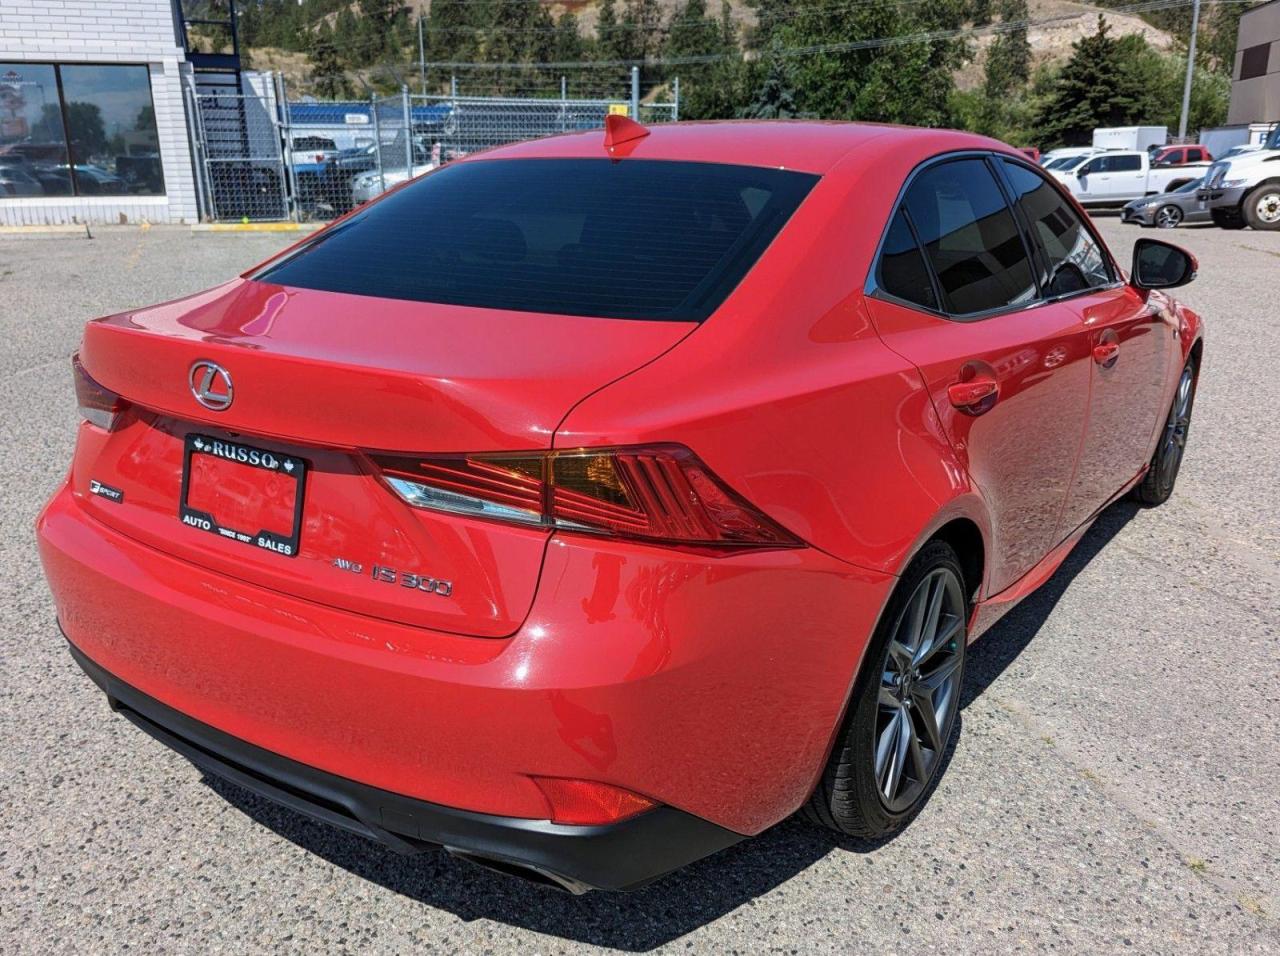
[585,802]
[98,405]
[659,493]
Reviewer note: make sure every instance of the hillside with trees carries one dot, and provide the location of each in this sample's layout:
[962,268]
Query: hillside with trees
[1027,71]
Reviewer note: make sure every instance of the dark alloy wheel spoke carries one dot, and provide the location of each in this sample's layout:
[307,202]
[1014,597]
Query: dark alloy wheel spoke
[918,693]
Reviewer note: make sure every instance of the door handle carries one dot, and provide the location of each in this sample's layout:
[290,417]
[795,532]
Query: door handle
[974,397]
[1106,353]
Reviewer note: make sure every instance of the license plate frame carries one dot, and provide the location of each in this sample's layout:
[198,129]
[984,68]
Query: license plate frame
[290,467]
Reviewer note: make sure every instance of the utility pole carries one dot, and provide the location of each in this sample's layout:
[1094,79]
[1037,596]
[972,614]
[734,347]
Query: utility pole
[1191,66]
[422,55]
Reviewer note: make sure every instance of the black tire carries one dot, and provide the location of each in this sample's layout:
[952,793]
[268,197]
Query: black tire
[1157,484]
[1227,219]
[849,797]
[1262,207]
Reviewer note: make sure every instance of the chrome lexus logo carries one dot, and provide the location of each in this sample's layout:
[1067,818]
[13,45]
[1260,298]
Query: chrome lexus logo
[211,385]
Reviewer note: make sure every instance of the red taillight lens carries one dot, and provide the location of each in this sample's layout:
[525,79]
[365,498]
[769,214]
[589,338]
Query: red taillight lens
[98,405]
[661,493]
[585,802]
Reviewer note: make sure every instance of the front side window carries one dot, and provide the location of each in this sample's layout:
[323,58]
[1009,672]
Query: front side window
[83,129]
[33,144]
[636,239]
[1074,260]
[970,238]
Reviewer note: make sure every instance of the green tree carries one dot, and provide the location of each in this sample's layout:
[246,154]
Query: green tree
[327,76]
[1009,57]
[775,99]
[1095,88]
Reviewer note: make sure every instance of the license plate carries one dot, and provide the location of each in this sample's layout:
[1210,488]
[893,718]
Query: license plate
[242,493]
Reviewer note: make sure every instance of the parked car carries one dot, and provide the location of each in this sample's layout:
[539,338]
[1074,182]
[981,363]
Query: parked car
[1115,177]
[371,185]
[16,179]
[536,540]
[1031,152]
[1178,207]
[1180,155]
[1245,189]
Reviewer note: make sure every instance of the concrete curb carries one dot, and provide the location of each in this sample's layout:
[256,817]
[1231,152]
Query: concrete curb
[256,227]
[69,231]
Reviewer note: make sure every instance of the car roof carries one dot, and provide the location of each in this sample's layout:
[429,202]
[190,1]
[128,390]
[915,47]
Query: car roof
[804,145]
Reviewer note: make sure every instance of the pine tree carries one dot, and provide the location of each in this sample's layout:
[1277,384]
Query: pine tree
[775,99]
[1009,57]
[327,76]
[1095,88]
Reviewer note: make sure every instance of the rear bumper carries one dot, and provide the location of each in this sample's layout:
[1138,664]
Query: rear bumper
[713,685]
[620,856]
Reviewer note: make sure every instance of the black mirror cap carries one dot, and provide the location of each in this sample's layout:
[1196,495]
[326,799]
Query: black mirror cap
[1161,265]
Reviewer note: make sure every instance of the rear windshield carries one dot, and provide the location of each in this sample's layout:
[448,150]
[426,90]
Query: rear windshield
[635,239]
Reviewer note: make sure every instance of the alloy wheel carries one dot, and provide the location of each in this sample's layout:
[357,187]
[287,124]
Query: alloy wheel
[1268,207]
[919,689]
[1168,217]
[1174,441]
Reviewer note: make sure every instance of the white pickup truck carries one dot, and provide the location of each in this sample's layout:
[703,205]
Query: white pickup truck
[1116,177]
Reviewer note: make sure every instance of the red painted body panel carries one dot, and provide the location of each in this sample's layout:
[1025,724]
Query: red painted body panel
[654,669]
[637,666]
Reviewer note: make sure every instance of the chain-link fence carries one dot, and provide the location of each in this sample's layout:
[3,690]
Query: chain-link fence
[260,159]
[243,173]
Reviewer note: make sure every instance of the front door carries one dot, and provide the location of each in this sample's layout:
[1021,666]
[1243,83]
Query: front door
[1127,337]
[1007,373]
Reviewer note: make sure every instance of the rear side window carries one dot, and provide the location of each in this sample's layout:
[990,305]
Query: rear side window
[636,239]
[1073,259]
[903,273]
[970,238]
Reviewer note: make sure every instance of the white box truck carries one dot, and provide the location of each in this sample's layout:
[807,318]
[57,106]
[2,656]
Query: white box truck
[1134,138]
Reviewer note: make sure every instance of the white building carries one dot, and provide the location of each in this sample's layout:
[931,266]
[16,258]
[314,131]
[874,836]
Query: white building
[92,120]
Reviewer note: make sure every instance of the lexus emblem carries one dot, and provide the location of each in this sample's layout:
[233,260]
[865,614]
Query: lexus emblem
[211,385]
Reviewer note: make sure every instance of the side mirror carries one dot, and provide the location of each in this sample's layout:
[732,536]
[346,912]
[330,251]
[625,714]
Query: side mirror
[1161,265]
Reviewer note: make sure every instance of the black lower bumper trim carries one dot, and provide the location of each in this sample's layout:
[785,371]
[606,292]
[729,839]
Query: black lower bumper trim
[617,856]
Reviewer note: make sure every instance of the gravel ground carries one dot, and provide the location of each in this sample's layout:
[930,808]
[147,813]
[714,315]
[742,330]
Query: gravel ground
[1115,784]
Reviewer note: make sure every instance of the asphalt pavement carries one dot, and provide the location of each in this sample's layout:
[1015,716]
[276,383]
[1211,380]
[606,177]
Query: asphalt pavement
[1116,786]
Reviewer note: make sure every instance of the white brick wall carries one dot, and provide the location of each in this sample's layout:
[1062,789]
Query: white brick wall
[108,31]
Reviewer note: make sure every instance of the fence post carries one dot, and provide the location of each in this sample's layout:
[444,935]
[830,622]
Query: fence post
[377,139]
[675,106]
[635,93]
[408,132]
[564,88]
[289,179]
[453,88]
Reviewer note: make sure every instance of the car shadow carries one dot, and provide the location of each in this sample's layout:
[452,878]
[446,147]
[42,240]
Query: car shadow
[685,900]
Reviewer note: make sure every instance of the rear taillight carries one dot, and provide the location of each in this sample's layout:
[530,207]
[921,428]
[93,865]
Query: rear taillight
[98,405]
[660,493]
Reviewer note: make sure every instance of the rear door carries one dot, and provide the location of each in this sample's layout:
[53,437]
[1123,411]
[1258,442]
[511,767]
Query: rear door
[956,294]
[1129,341]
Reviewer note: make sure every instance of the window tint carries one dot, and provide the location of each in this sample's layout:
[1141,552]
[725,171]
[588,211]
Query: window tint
[1195,156]
[635,239]
[903,273]
[1117,164]
[970,237]
[1073,259]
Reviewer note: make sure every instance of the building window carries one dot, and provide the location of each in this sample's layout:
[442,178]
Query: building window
[1253,61]
[83,130]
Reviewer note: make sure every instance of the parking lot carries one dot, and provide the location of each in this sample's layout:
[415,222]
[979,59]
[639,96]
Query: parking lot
[1116,785]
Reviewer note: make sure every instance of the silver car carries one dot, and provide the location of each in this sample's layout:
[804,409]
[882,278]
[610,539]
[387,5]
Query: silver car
[1169,210]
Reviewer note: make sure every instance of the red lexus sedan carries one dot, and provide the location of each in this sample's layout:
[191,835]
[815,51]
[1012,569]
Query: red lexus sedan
[591,504]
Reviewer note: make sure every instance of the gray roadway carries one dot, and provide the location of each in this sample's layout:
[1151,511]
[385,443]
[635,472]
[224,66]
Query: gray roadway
[1116,785]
